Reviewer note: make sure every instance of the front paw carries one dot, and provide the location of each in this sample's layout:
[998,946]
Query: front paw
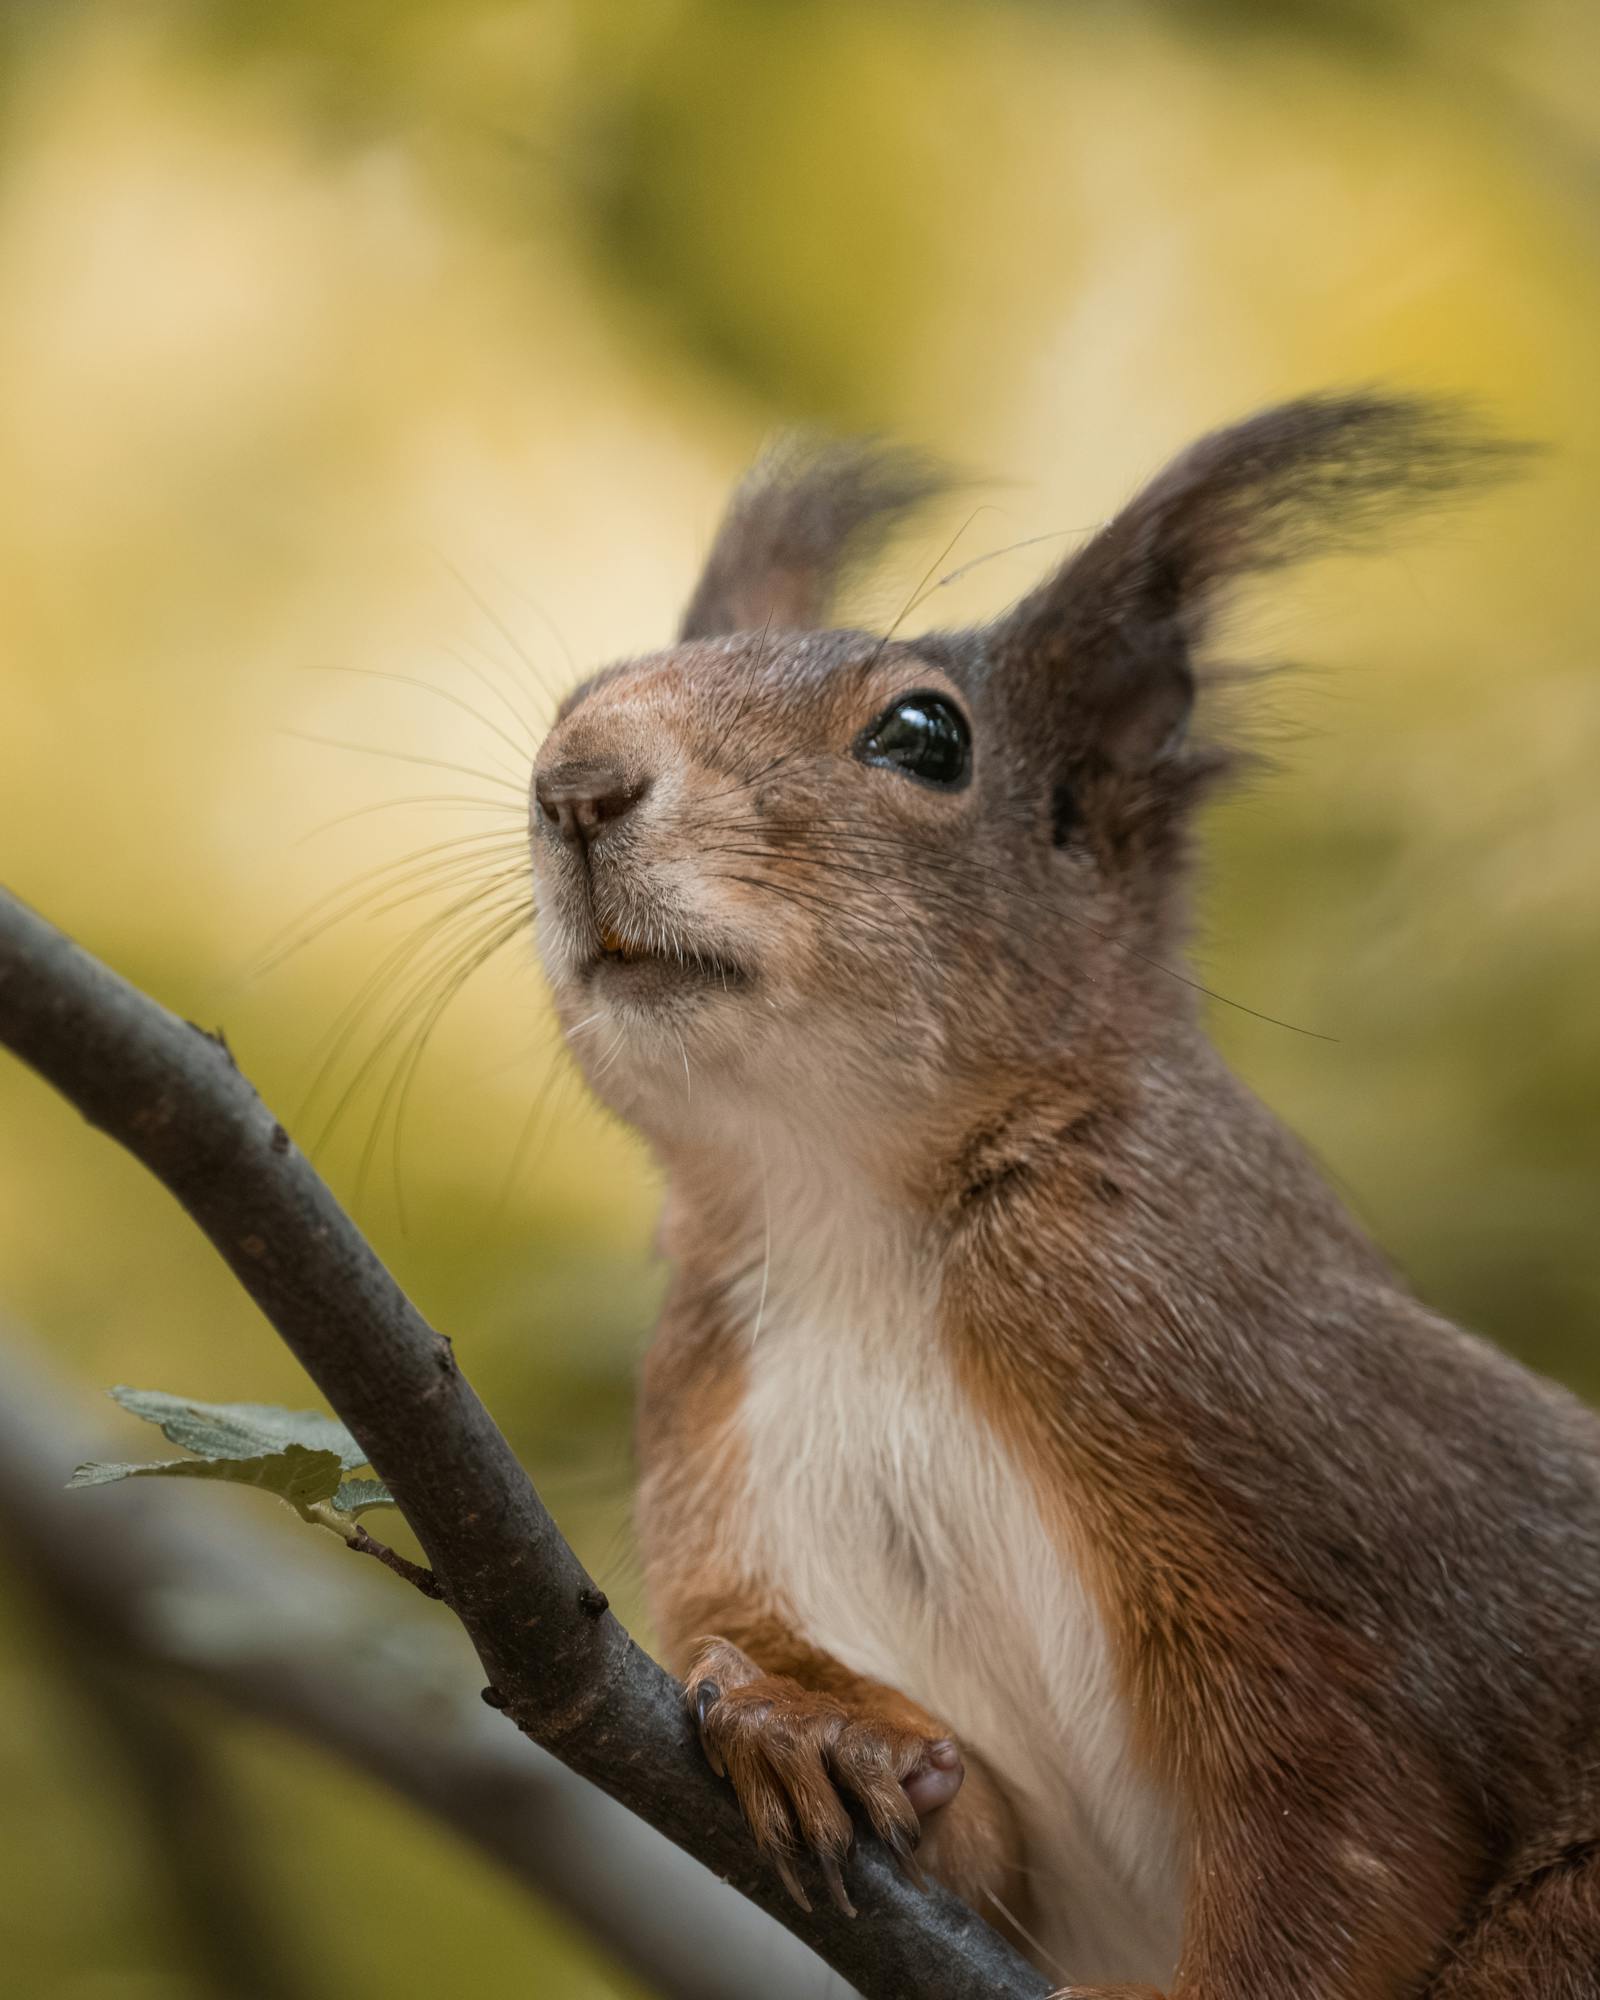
[790,1753]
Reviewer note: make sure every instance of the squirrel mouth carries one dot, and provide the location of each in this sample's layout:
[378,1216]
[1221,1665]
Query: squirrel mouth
[679,960]
[614,945]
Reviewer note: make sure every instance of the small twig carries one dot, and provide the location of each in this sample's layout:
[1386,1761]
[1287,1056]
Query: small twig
[414,1573]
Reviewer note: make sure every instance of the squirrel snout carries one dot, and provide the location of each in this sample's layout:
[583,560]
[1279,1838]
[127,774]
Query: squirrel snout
[581,799]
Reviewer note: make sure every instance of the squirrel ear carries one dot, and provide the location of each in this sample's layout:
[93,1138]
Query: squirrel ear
[1116,627]
[801,520]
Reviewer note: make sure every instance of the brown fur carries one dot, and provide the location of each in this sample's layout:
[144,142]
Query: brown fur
[1347,1556]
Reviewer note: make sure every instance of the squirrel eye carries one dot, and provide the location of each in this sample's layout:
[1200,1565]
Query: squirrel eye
[923,735]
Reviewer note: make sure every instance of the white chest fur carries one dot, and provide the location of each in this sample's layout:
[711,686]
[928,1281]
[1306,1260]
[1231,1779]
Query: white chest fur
[908,1546]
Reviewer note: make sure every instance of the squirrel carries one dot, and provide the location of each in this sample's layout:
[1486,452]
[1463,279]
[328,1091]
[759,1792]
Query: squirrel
[1039,1467]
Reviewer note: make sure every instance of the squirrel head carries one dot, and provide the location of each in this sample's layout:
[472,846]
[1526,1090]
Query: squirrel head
[846,883]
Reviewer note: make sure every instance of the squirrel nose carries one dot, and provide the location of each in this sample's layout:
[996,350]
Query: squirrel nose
[580,799]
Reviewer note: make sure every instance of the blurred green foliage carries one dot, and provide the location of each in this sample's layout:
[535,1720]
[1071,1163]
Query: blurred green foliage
[421,340]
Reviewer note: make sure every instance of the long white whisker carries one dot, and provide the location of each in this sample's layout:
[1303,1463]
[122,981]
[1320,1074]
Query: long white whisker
[1024,1933]
[688,1085]
[610,1056]
[766,1258]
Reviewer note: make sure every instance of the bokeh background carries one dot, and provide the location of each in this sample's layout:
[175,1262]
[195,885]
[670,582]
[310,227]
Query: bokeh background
[371,370]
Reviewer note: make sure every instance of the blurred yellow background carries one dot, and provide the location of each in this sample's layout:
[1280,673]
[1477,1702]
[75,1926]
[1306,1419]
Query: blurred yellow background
[353,351]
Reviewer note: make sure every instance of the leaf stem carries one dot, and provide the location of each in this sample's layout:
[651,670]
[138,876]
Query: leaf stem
[323,1514]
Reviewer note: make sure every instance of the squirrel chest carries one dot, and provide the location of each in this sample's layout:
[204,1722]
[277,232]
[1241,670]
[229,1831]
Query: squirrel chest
[906,1542]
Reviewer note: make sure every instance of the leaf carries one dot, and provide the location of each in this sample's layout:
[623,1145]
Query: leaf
[240,1430]
[356,1496]
[299,1455]
[303,1478]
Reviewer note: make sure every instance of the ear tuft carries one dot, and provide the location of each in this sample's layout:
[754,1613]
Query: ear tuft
[1114,630]
[807,515]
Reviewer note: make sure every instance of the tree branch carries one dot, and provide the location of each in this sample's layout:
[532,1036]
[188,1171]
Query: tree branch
[569,1675]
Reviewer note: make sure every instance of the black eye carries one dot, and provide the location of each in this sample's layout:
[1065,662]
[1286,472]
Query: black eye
[923,735]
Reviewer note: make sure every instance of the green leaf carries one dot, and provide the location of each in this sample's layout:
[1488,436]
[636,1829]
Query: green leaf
[355,1496]
[240,1430]
[299,1455]
[303,1478]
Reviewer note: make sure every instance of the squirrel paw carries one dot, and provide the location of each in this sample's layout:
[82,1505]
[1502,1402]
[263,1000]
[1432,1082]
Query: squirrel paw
[790,1752]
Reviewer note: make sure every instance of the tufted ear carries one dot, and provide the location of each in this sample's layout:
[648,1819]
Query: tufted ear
[804,517]
[1102,653]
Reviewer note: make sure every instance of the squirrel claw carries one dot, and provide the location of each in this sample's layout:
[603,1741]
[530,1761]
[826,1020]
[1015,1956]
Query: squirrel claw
[910,1868]
[835,1881]
[791,1881]
[705,1698]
